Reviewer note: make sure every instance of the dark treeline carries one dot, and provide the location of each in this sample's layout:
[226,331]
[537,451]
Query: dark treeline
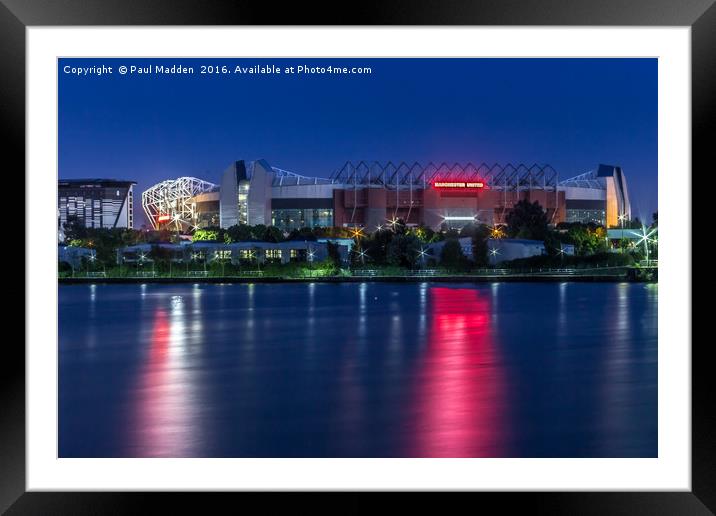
[397,245]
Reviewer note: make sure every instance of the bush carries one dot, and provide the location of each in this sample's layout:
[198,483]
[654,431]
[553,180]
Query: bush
[452,256]
[547,261]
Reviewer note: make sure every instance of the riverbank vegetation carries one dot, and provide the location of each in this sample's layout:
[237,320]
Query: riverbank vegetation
[392,247]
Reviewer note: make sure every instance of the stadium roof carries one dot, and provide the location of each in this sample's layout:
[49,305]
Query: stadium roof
[95,182]
[587,180]
[497,176]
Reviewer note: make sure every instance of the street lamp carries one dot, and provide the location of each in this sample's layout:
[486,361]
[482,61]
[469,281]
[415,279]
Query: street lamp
[497,232]
[621,218]
[311,254]
[493,254]
[92,259]
[645,237]
[422,254]
[142,256]
[561,253]
[223,262]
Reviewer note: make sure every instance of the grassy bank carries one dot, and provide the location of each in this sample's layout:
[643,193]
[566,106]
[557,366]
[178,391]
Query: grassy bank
[365,274]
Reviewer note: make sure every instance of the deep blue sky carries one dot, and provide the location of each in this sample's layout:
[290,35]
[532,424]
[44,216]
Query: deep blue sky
[570,113]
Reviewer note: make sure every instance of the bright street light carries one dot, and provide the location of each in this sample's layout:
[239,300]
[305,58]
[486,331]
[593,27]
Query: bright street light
[497,232]
[645,238]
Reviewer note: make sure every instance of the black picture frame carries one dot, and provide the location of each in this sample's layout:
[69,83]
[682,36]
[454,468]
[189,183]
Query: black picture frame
[16,15]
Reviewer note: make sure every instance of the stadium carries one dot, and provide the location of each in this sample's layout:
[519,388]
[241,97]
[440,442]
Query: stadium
[372,195]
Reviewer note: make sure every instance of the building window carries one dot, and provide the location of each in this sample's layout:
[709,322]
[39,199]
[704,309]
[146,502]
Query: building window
[273,254]
[298,255]
[243,202]
[222,254]
[586,216]
[246,254]
[290,219]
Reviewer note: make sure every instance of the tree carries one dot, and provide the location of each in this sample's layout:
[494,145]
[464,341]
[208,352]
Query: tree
[553,241]
[469,230]
[527,220]
[334,254]
[306,234]
[479,245]
[161,235]
[425,234]
[450,233]
[259,232]
[273,234]
[205,235]
[451,255]
[239,233]
[403,250]
[73,229]
[376,245]
[161,257]
[587,239]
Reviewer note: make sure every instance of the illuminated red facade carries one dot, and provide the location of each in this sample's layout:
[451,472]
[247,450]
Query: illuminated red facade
[371,207]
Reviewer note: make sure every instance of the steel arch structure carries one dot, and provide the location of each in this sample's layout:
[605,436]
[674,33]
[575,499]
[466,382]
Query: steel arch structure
[168,201]
[283,177]
[586,180]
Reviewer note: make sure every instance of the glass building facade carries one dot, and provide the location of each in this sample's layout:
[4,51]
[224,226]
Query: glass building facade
[96,203]
[288,219]
[586,216]
[586,211]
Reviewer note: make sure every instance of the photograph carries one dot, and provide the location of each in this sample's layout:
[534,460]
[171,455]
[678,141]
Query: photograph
[348,257]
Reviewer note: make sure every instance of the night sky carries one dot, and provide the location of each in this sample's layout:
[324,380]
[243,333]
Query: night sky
[570,113]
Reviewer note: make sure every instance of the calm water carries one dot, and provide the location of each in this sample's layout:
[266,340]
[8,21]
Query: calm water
[358,370]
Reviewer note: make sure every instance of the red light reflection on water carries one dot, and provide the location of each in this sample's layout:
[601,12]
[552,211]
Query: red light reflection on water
[459,402]
[163,425]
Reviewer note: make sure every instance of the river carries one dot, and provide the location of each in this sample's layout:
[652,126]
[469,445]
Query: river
[358,370]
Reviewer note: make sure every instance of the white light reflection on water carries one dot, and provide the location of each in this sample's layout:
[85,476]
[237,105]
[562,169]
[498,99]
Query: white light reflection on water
[395,329]
[618,399]
[423,318]
[248,341]
[311,318]
[167,423]
[93,330]
[362,310]
[495,291]
[562,311]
